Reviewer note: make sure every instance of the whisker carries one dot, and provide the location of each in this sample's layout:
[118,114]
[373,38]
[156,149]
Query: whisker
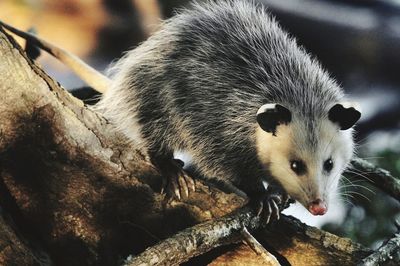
[353,184]
[359,186]
[362,142]
[373,157]
[360,194]
[345,198]
[361,175]
[359,171]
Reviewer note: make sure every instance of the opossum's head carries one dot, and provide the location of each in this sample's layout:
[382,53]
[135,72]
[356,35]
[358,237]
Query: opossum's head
[306,154]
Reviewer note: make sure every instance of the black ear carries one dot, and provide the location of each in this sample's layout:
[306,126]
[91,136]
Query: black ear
[270,115]
[344,114]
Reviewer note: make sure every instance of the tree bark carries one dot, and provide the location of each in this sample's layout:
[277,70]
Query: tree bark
[76,184]
[296,243]
[388,253]
[78,193]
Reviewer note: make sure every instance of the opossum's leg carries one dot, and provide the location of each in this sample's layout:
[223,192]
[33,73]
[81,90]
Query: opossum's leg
[176,182]
[266,201]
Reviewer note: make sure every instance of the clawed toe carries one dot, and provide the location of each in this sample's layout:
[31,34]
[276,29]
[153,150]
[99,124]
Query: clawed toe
[270,211]
[275,208]
[190,183]
[183,188]
[175,186]
[267,207]
[178,185]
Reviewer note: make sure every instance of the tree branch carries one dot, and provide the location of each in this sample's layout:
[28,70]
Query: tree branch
[197,240]
[203,237]
[388,253]
[258,248]
[378,177]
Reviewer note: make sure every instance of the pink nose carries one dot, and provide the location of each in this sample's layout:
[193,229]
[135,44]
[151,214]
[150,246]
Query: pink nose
[317,207]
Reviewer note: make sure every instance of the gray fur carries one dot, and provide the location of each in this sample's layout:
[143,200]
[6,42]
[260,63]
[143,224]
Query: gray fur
[197,83]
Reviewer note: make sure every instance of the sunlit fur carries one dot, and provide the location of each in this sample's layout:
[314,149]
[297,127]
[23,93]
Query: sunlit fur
[197,83]
[292,143]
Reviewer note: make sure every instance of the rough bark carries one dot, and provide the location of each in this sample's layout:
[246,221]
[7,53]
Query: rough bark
[388,253]
[78,191]
[297,243]
[14,250]
[197,240]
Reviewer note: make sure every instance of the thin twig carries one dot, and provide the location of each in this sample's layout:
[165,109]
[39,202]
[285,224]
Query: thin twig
[258,248]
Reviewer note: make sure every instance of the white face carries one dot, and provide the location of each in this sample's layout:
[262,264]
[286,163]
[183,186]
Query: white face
[309,171]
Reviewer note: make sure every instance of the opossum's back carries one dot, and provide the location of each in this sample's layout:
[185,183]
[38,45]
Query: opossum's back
[205,65]
[209,69]
[227,59]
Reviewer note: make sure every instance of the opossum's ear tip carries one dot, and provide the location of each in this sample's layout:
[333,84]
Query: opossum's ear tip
[271,115]
[345,114]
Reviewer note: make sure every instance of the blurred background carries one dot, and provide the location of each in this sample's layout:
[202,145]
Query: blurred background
[358,41]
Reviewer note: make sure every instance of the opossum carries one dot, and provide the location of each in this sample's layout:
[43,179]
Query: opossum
[222,81]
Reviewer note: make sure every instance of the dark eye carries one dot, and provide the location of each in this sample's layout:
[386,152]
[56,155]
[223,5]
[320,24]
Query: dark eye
[328,165]
[298,167]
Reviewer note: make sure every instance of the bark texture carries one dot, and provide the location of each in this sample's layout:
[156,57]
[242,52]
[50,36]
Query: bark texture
[73,191]
[73,184]
[387,254]
[295,242]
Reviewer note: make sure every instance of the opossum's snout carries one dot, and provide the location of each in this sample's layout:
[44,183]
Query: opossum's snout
[317,207]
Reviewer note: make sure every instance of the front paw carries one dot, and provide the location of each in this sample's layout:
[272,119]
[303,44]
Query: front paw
[176,182]
[269,204]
